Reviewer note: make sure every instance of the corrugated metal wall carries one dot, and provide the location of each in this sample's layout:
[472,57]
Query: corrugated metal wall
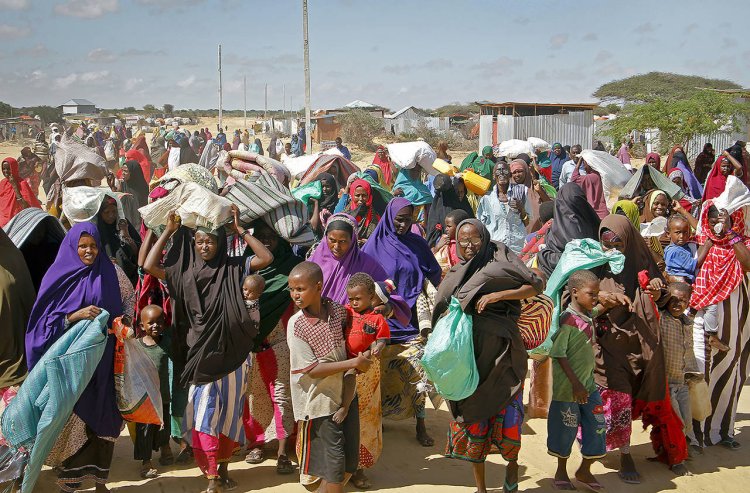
[405,125]
[573,128]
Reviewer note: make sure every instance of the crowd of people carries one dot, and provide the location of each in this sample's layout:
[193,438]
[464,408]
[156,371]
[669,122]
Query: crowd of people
[265,336]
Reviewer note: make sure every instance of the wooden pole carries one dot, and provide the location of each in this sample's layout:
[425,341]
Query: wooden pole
[221,95]
[308,135]
[244,88]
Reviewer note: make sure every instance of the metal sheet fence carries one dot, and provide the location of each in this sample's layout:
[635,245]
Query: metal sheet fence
[576,127]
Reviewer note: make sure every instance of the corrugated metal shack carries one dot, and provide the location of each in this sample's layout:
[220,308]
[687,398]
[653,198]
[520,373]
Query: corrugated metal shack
[409,118]
[554,122]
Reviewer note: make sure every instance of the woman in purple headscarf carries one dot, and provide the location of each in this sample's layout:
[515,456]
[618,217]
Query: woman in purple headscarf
[408,262]
[78,286]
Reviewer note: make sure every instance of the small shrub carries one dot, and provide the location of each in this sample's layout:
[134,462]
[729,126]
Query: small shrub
[360,128]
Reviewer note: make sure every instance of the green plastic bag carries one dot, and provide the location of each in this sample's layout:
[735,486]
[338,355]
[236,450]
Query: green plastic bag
[313,190]
[448,358]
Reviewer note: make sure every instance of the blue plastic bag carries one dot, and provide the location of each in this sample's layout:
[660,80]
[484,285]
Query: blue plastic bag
[448,358]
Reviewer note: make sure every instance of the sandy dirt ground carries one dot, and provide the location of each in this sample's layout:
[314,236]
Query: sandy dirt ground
[405,466]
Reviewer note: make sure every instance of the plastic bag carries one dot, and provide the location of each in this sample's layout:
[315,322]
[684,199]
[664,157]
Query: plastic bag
[408,155]
[304,193]
[700,401]
[109,151]
[614,174]
[136,379]
[448,358]
[539,144]
[513,147]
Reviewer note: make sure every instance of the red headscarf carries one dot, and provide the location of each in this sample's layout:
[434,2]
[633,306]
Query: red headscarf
[656,157]
[9,206]
[385,167]
[137,155]
[668,162]
[716,182]
[721,272]
[363,215]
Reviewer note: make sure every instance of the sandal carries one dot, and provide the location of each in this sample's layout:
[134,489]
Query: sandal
[228,484]
[510,488]
[284,465]
[594,486]
[185,456]
[731,444]
[149,473]
[255,456]
[563,485]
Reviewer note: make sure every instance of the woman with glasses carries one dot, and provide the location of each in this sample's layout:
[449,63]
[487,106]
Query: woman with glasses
[489,283]
[504,211]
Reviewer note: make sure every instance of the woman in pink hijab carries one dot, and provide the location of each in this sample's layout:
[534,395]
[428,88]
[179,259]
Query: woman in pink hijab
[591,184]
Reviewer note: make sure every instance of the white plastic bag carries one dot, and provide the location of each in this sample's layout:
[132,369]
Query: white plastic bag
[614,174]
[109,151]
[539,144]
[408,155]
[196,206]
[513,147]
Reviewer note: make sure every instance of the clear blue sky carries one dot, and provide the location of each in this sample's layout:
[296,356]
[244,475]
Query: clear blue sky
[394,53]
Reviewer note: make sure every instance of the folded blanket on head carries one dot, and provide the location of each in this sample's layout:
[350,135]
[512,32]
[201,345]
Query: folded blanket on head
[33,421]
[247,162]
[25,223]
[263,197]
[196,206]
[185,173]
[340,167]
[76,161]
[82,204]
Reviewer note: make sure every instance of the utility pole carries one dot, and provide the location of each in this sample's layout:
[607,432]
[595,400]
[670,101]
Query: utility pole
[283,101]
[244,89]
[308,135]
[221,95]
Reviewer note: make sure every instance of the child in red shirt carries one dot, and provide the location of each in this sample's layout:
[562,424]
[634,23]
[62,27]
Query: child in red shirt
[367,330]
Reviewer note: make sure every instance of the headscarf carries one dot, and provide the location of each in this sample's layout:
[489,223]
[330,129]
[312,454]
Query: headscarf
[574,219]
[494,268]
[136,155]
[678,160]
[236,140]
[9,206]
[716,182]
[258,146]
[336,272]
[721,272]
[481,164]
[414,190]
[704,162]
[114,248]
[385,167]
[363,214]
[328,202]
[657,159]
[591,184]
[158,148]
[16,300]
[409,259]
[136,184]
[638,257]
[187,155]
[445,201]
[630,210]
[272,148]
[68,286]
[207,300]
[648,201]
[275,299]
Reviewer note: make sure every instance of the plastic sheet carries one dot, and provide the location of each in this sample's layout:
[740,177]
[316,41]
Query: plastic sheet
[513,147]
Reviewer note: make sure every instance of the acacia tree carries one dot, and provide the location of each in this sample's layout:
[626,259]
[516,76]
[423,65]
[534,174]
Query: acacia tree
[360,128]
[168,109]
[678,121]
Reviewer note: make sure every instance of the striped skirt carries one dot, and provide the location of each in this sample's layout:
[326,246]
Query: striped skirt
[213,419]
[726,372]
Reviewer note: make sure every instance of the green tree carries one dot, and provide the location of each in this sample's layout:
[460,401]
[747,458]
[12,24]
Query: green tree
[655,86]
[168,109]
[678,121]
[5,110]
[360,128]
[48,114]
[149,108]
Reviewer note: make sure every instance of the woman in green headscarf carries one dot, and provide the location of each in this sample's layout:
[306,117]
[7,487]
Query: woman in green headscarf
[269,414]
[482,165]
[629,209]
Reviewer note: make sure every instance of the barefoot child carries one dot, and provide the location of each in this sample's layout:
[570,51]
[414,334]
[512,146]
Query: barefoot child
[367,332]
[149,437]
[575,399]
[322,396]
[679,359]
